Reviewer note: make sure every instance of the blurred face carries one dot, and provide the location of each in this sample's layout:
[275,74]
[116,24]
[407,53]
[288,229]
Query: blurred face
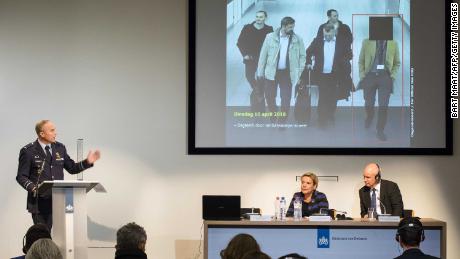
[334,17]
[307,186]
[289,29]
[48,133]
[260,18]
[329,35]
[369,174]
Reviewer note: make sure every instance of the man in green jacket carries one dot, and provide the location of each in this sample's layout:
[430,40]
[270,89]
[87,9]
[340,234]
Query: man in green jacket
[378,65]
[281,62]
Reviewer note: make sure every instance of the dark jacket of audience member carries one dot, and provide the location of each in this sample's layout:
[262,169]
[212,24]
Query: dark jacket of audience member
[130,254]
[239,246]
[415,253]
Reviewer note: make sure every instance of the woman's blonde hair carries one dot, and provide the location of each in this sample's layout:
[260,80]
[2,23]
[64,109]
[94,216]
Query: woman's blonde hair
[44,248]
[312,176]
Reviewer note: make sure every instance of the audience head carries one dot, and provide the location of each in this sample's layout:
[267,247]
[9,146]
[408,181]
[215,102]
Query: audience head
[34,233]
[255,255]
[410,232]
[238,246]
[44,248]
[309,182]
[131,236]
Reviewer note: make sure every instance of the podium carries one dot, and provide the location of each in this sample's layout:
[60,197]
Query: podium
[70,231]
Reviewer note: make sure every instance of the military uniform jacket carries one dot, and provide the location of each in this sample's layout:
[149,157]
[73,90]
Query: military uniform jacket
[32,158]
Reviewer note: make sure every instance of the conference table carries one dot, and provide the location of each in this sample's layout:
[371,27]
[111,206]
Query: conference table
[357,238]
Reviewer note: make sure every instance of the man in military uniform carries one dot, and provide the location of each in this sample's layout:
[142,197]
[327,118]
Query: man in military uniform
[45,160]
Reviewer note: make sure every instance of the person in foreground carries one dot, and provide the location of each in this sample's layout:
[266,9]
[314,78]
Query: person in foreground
[409,236]
[45,160]
[239,246]
[131,240]
[382,195]
[34,233]
[312,200]
[44,248]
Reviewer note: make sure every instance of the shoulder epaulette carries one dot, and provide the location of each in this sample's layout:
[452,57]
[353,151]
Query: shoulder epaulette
[31,144]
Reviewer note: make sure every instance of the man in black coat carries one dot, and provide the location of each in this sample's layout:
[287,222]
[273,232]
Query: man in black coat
[409,236]
[131,241]
[331,64]
[382,195]
[45,160]
[344,39]
[249,43]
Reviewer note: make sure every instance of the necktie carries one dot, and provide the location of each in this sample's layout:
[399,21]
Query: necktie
[48,154]
[382,51]
[373,199]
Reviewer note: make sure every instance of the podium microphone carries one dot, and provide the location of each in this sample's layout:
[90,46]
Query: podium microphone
[39,173]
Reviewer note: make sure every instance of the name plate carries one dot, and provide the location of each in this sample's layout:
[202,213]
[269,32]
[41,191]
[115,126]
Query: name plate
[319,218]
[388,218]
[260,217]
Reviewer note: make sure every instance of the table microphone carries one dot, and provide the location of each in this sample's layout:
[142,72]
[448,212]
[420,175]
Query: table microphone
[383,205]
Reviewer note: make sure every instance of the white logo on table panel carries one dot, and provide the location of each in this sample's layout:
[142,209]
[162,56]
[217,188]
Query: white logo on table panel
[323,241]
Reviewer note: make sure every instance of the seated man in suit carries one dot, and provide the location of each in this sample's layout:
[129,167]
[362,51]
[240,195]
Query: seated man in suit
[382,195]
[409,236]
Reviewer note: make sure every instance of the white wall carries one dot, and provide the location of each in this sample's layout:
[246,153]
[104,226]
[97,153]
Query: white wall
[114,73]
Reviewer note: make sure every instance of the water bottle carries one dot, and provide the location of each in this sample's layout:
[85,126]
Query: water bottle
[277,208]
[283,209]
[297,209]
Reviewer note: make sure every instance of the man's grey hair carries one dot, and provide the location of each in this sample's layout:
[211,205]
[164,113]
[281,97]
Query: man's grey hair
[44,248]
[130,236]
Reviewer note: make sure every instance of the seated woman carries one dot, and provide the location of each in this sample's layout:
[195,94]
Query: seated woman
[312,200]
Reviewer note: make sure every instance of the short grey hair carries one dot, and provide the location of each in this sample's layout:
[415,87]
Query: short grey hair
[130,236]
[44,248]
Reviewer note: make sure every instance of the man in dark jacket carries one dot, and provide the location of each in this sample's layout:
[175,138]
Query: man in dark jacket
[331,63]
[250,42]
[131,240]
[45,160]
[382,195]
[409,236]
[344,40]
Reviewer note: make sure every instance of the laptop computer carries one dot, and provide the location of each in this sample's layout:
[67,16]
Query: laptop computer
[221,207]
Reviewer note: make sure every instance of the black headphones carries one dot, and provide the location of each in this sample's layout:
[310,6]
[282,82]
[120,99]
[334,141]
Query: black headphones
[378,177]
[410,224]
